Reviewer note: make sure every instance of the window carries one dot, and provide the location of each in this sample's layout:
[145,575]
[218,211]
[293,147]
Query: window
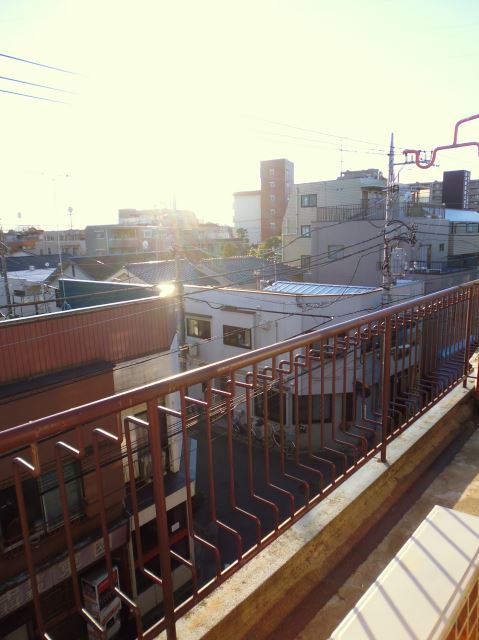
[272,184]
[319,410]
[272,212]
[335,251]
[50,494]
[100,235]
[306,263]
[198,328]
[306,231]
[42,502]
[272,226]
[271,173]
[237,337]
[441,246]
[148,233]
[472,228]
[272,197]
[309,200]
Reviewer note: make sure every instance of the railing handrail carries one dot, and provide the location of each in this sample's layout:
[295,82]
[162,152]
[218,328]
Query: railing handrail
[22,435]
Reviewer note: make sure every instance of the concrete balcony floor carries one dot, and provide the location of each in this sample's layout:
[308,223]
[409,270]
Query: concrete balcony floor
[452,481]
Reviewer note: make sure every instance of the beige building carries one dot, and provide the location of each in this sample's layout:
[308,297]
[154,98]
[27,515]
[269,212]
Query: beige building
[313,201]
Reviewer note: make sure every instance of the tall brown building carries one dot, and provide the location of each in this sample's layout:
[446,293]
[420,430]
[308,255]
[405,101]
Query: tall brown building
[277,181]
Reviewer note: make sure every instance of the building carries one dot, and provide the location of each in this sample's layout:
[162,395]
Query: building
[363,190]
[111,239]
[224,322]
[261,212]
[158,217]
[67,241]
[281,513]
[445,250]
[247,214]
[456,190]
[51,363]
[32,283]
[277,181]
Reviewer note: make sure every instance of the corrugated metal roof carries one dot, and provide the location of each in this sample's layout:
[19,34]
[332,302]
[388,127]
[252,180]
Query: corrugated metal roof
[315,289]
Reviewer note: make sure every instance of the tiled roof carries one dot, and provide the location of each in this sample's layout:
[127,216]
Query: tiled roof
[164,270]
[23,263]
[243,270]
[103,267]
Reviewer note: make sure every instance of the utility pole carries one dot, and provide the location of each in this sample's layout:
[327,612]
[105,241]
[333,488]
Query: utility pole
[3,257]
[387,279]
[180,304]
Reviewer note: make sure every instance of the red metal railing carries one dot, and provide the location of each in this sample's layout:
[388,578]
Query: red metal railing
[260,439]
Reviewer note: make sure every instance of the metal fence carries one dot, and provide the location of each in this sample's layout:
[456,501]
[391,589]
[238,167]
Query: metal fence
[263,437]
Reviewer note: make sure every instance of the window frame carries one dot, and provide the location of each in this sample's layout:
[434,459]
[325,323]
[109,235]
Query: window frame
[333,254]
[306,262]
[309,200]
[306,234]
[197,319]
[239,337]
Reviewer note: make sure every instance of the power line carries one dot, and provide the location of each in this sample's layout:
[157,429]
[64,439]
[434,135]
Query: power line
[34,84]
[323,133]
[38,64]
[27,95]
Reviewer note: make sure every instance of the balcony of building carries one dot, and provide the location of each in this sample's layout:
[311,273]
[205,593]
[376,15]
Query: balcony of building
[290,455]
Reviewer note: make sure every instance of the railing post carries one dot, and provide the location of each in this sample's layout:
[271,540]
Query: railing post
[467,346]
[386,375]
[161,520]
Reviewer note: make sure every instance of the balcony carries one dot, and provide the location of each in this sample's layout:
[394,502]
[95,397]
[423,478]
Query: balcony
[277,434]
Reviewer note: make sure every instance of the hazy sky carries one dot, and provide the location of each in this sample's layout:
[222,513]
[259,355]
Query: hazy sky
[187,97]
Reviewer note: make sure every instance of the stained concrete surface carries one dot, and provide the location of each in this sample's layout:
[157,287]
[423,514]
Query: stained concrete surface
[453,481]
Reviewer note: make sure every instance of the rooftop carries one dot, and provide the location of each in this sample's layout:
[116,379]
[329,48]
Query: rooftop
[313,289]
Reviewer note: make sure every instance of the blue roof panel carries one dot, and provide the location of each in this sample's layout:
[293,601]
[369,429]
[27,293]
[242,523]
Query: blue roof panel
[315,289]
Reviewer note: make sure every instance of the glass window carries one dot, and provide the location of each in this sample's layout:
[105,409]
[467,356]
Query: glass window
[309,200]
[100,235]
[271,172]
[335,251]
[198,328]
[50,494]
[306,231]
[237,337]
[272,197]
[306,263]
[441,247]
[272,184]
[272,212]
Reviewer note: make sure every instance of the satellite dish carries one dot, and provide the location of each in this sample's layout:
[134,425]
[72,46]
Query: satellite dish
[145,244]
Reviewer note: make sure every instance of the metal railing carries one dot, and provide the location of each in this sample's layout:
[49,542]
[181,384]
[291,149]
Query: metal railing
[265,437]
[377,211]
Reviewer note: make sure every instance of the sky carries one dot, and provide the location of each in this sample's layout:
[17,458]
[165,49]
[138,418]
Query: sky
[181,100]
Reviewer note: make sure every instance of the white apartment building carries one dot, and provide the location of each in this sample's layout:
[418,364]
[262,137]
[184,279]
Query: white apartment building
[247,213]
[222,323]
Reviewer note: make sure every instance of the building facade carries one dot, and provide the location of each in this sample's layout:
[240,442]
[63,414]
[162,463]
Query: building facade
[80,356]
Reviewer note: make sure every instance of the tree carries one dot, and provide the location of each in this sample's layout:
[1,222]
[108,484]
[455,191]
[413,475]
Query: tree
[266,249]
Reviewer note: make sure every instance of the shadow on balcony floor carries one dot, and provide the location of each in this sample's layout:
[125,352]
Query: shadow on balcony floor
[451,481]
